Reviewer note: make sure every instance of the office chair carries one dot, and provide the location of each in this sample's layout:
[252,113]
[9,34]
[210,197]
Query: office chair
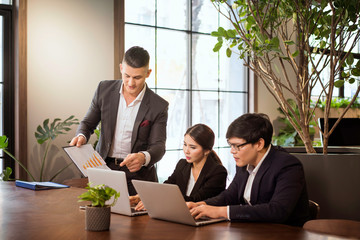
[314,209]
[338,227]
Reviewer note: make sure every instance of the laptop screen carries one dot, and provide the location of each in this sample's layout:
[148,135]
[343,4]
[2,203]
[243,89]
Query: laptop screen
[347,132]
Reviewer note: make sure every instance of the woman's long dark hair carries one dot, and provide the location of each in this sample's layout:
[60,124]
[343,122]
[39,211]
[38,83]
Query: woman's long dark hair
[205,137]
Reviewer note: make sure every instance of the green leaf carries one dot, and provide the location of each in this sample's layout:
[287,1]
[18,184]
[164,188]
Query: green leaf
[261,38]
[295,54]
[215,34]
[275,42]
[221,31]
[289,42]
[231,33]
[234,43]
[353,27]
[322,44]
[351,80]
[339,83]
[228,52]
[358,64]
[355,72]
[3,142]
[249,22]
[99,194]
[5,175]
[217,47]
[350,59]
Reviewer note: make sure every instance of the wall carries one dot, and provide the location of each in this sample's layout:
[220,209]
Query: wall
[70,49]
[266,102]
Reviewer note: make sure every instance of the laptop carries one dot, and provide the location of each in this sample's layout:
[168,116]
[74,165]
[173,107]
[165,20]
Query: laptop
[346,133]
[116,180]
[165,202]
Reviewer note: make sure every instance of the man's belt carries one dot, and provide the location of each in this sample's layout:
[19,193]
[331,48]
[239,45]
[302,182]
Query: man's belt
[116,161]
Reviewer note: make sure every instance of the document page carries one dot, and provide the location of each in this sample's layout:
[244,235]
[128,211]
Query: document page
[85,157]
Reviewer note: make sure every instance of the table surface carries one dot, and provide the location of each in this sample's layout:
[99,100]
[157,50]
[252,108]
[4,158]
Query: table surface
[55,214]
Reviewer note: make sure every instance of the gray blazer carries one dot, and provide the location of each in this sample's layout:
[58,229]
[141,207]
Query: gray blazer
[149,132]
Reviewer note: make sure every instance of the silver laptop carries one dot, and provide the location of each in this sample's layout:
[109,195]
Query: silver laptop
[116,180]
[165,202]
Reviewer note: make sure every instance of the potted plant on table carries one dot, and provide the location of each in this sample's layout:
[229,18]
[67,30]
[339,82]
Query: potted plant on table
[97,215]
[296,47]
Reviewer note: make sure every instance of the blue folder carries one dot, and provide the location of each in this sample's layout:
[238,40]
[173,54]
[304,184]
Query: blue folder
[39,185]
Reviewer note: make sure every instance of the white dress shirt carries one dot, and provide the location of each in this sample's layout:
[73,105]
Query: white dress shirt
[126,115]
[191,184]
[252,173]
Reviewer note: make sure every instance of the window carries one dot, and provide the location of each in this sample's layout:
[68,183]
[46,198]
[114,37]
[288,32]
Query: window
[347,90]
[6,82]
[201,86]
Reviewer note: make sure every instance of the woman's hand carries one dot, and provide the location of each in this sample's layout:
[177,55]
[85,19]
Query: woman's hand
[140,206]
[134,200]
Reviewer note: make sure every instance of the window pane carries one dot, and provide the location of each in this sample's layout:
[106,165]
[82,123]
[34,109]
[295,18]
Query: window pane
[205,63]
[232,106]
[205,109]
[172,14]
[166,166]
[172,58]
[324,76]
[6,2]
[177,116]
[228,161]
[140,11]
[233,74]
[356,49]
[205,16]
[350,89]
[134,36]
[201,86]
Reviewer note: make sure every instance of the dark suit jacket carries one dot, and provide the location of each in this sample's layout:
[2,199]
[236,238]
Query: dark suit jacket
[149,132]
[211,181]
[278,193]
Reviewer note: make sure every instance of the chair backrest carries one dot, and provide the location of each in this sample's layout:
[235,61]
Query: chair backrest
[314,209]
[338,227]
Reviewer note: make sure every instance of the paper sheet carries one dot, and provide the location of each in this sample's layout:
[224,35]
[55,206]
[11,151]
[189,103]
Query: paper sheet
[85,157]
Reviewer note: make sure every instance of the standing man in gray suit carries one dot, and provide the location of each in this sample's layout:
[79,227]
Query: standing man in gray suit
[133,120]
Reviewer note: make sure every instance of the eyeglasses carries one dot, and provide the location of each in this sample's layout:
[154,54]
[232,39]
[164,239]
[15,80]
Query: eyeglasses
[237,147]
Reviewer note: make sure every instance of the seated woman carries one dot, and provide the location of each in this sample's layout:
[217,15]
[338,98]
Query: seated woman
[201,175]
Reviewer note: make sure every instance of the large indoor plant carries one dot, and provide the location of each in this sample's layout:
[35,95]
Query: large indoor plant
[97,214]
[44,134]
[289,44]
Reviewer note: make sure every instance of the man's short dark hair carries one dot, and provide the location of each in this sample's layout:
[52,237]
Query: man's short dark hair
[251,127]
[136,57]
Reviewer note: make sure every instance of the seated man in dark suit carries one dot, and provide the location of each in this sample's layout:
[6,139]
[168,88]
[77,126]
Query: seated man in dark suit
[269,185]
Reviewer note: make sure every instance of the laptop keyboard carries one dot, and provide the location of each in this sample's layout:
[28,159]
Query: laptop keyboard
[134,211]
[202,219]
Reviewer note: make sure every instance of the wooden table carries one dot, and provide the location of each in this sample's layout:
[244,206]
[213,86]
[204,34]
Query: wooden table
[55,214]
